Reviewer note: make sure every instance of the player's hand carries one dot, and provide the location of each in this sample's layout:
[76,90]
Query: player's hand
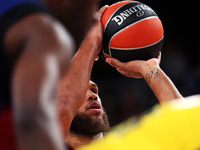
[93,41]
[136,68]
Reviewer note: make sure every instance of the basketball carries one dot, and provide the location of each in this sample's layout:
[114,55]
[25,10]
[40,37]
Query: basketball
[132,31]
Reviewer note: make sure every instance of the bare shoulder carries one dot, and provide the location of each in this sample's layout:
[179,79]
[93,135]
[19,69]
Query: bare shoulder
[40,30]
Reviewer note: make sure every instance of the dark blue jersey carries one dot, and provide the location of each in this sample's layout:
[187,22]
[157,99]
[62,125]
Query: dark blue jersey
[6,5]
[11,11]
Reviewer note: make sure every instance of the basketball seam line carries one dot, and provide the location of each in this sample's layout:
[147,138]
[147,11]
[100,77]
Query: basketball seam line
[137,47]
[114,13]
[126,28]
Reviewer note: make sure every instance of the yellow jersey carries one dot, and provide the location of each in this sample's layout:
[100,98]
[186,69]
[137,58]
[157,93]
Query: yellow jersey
[173,126]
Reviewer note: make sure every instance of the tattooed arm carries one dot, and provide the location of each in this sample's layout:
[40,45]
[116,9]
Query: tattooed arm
[159,82]
[162,86]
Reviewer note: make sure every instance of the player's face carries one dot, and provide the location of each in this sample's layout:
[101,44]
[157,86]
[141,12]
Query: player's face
[92,105]
[91,119]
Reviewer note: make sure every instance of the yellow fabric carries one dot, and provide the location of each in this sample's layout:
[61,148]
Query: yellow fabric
[174,126]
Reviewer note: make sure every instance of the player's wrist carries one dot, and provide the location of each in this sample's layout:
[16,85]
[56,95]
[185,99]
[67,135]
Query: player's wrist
[90,47]
[148,68]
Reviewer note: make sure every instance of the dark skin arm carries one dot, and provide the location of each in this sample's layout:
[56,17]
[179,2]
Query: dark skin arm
[73,88]
[40,55]
[159,82]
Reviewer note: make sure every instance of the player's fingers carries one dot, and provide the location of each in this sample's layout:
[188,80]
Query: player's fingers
[129,74]
[115,63]
[99,14]
[97,58]
[159,57]
[125,73]
[101,11]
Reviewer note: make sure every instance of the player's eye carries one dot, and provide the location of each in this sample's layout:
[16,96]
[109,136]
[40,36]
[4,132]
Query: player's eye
[94,91]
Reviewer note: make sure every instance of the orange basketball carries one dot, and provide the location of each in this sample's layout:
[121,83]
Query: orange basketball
[132,31]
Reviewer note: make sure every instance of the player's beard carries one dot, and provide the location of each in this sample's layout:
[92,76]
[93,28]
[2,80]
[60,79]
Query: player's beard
[85,125]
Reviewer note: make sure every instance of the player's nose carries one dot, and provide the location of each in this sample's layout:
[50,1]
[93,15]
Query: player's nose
[91,96]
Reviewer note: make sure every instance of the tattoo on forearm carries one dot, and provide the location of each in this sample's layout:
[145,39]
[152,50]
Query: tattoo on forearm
[152,75]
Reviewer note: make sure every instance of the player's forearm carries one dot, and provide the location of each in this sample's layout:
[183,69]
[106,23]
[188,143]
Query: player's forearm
[74,85]
[34,94]
[75,82]
[37,129]
[160,83]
